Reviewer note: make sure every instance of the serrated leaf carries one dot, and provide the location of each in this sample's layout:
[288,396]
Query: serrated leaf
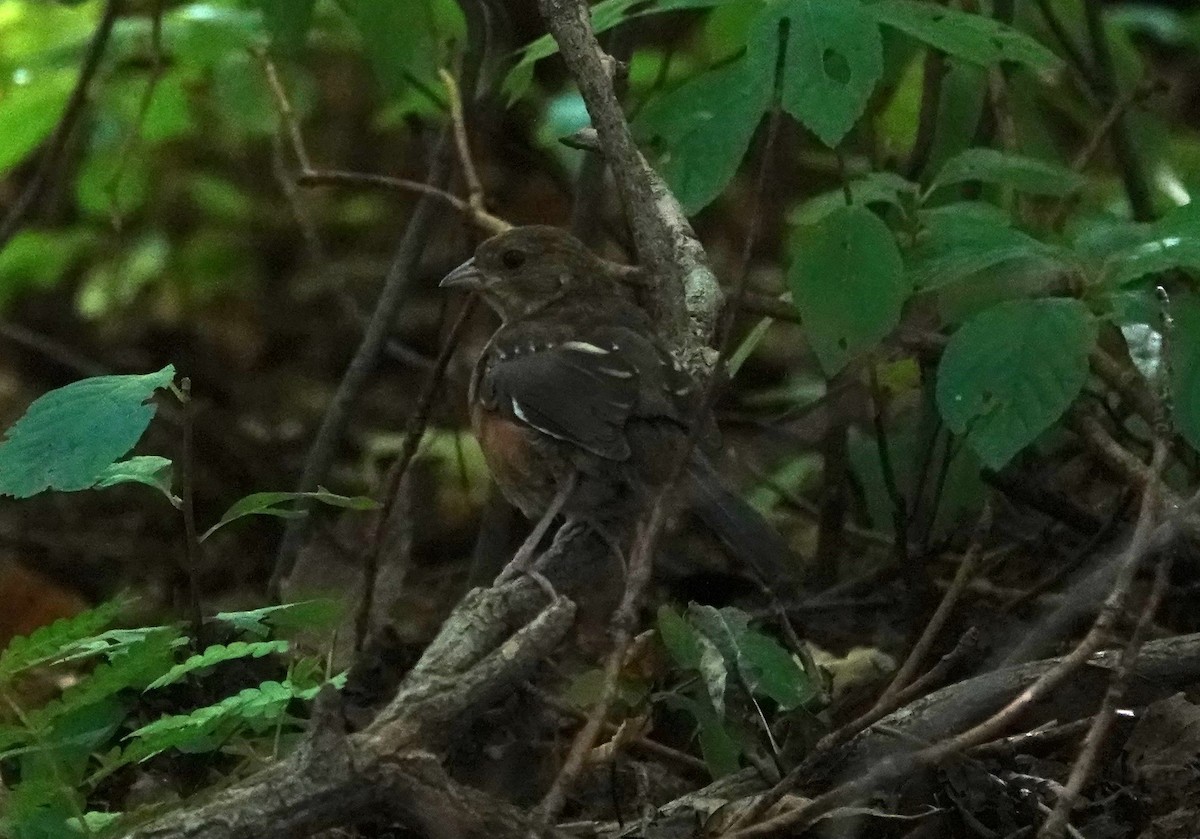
[270,504]
[217,654]
[872,188]
[834,57]
[702,128]
[976,38]
[1026,174]
[69,436]
[959,243]
[1011,371]
[151,470]
[848,283]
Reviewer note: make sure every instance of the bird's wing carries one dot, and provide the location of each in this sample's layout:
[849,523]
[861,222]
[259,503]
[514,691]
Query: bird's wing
[580,391]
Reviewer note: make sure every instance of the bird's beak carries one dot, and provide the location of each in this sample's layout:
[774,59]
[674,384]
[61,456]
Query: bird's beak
[465,276]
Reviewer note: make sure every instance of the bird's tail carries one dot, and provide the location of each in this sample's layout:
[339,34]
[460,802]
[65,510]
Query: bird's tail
[745,533]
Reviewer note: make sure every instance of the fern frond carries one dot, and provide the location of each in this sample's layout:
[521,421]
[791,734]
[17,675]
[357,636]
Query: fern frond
[217,654]
[48,642]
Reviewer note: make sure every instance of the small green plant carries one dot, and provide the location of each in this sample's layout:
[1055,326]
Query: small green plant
[55,757]
[148,690]
[729,671]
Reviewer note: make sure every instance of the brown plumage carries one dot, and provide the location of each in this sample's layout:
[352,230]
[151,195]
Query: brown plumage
[576,382]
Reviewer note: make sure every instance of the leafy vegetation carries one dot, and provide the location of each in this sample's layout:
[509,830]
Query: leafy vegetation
[970,250]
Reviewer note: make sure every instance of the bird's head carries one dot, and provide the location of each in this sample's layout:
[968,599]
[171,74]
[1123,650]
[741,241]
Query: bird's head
[525,269]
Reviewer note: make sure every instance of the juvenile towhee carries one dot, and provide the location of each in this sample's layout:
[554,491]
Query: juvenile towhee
[576,401]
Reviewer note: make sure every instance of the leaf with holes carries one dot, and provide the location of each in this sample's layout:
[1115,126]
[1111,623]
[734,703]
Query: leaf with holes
[975,38]
[1025,174]
[833,58]
[848,283]
[70,436]
[1011,371]
[702,128]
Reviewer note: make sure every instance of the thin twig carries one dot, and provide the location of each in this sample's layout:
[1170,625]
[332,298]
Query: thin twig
[462,142]
[1101,722]
[71,116]
[899,506]
[964,574]
[414,431]
[795,820]
[187,507]
[336,177]
[1104,86]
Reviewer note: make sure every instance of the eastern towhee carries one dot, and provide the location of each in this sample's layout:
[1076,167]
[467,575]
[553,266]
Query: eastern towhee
[577,405]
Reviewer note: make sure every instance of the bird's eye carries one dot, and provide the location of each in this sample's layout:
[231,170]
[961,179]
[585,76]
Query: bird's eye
[513,259]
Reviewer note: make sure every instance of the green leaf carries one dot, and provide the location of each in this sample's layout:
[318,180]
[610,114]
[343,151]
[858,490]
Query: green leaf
[703,127]
[1026,174]
[47,642]
[218,654]
[976,38]
[301,615]
[834,57]
[1011,371]
[679,637]
[40,258]
[848,283]
[960,243]
[605,15]
[270,504]
[1171,242]
[151,470]
[29,112]
[872,188]
[720,750]
[70,436]
[769,670]
[287,20]
[407,42]
[1184,348]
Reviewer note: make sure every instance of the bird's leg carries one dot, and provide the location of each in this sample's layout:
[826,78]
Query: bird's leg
[523,559]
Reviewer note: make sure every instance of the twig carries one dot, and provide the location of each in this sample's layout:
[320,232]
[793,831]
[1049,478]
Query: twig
[1025,741]
[683,760]
[336,177]
[798,818]
[624,621]
[71,115]
[413,432]
[395,286]
[899,506]
[458,123]
[187,491]
[1104,86]
[1101,722]
[964,574]
[902,687]
[686,293]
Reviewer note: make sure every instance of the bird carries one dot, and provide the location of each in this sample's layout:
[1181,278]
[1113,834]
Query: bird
[580,409]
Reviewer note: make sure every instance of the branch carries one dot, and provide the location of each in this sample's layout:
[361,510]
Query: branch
[686,293]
